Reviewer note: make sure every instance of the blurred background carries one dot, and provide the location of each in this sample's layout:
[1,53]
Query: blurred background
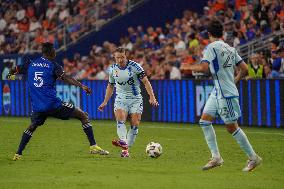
[164,36]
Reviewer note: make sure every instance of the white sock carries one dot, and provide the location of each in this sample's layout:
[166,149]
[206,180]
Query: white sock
[244,143]
[121,130]
[131,135]
[210,137]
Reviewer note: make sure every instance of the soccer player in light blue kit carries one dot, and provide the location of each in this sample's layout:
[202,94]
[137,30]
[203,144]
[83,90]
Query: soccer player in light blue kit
[221,59]
[126,76]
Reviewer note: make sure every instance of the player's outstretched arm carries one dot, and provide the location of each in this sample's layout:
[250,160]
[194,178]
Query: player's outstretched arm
[20,69]
[150,92]
[202,67]
[12,74]
[109,92]
[243,71]
[70,80]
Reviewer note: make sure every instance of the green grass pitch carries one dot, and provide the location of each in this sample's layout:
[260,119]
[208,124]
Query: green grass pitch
[57,157]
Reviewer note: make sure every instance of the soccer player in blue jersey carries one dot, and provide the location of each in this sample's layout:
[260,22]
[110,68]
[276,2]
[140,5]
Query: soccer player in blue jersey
[42,74]
[221,60]
[126,76]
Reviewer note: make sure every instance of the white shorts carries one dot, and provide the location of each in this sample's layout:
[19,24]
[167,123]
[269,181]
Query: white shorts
[227,108]
[131,106]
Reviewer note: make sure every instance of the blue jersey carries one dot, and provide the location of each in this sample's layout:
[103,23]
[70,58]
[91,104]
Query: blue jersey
[42,75]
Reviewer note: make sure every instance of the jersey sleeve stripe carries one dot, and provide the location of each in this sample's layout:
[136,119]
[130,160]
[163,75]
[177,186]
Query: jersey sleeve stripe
[239,62]
[62,74]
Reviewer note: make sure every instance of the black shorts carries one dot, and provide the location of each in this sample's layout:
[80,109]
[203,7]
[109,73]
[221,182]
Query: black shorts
[63,112]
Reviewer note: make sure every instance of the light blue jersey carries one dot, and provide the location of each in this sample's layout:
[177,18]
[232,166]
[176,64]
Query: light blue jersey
[223,100]
[127,79]
[222,60]
[127,83]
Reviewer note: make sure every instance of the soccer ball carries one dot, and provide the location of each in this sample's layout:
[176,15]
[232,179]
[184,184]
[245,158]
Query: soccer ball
[154,150]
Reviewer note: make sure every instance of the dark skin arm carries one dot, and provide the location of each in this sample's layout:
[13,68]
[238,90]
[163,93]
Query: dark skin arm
[12,73]
[63,77]
[70,80]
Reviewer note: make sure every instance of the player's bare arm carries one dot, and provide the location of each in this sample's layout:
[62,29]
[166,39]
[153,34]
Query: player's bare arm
[109,92]
[12,74]
[150,92]
[202,67]
[17,70]
[243,71]
[70,80]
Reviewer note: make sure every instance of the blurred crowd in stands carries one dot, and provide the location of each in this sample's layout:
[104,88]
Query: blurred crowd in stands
[25,24]
[164,52]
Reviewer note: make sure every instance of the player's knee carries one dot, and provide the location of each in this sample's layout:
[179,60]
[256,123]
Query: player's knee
[120,117]
[135,122]
[207,117]
[32,128]
[84,117]
[231,128]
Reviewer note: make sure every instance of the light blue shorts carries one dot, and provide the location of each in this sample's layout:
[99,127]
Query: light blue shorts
[131,106]
[227,108]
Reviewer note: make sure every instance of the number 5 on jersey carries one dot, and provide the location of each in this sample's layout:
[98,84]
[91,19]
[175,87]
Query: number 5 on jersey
[38,79]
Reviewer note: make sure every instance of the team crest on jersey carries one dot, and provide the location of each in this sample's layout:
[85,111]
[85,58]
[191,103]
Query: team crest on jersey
[115,73]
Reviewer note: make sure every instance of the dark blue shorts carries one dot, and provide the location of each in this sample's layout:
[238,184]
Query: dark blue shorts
[63,112]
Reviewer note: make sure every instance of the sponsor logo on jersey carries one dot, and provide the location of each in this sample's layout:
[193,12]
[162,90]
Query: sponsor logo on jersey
[6,99]
[129,82]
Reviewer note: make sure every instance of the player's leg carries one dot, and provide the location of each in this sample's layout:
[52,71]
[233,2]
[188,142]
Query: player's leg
[209,113]
[133,131]
[37,119]
[241,139]
[121,113]
[135,111]
[88,130]
[120,116]
[86,125]
[230,118]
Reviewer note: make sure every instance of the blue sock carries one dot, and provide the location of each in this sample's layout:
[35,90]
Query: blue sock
[87,127]
[244,143]
[27,135]
[210,137]
[131,135]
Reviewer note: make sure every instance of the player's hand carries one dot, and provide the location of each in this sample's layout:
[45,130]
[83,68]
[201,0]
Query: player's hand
[154,102]
[102,106]
[87,89]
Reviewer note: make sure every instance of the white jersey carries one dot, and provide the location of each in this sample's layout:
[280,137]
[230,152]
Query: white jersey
[222,60]
[127,79]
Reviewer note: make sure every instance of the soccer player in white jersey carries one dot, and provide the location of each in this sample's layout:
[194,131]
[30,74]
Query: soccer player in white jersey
[126,76]
[221,60]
